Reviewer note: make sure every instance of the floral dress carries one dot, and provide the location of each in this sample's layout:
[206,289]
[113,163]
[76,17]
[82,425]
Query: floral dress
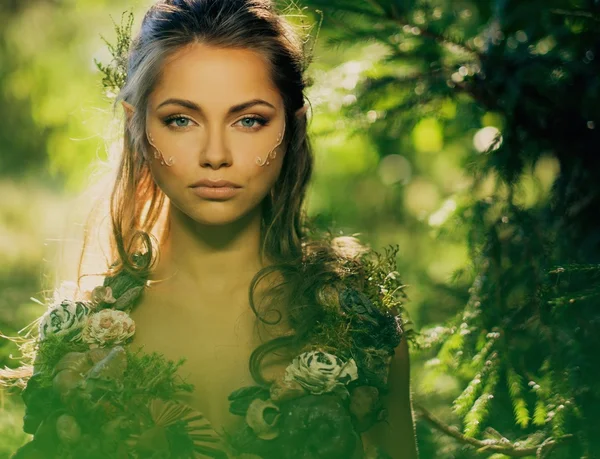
[90,396]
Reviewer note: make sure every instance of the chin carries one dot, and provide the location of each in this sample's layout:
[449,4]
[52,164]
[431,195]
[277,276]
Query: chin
[218,213]
[215,221]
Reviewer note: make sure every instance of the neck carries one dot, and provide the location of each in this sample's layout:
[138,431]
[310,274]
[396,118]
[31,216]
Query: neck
[209,258]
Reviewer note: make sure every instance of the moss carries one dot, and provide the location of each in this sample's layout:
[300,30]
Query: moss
[154,376]
[382,282]
[331,335]
[50,351]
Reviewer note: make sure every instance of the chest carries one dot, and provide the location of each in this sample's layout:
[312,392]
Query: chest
[216,339]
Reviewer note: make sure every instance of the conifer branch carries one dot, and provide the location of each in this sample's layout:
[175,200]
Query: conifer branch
[579,14]
[379,12]
[496,446]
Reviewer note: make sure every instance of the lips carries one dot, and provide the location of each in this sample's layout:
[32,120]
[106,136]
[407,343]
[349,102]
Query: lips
[215,184]
[215,192]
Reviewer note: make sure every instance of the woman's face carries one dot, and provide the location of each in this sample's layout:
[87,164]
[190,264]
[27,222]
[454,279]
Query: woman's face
[215,111]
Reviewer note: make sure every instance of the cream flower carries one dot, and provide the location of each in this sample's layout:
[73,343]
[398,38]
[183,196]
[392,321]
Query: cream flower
[108,327]
[63,317]
[320,372]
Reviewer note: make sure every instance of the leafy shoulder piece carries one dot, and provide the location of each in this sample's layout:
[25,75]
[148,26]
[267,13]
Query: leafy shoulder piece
[340,377]
[91,396]
[364,315]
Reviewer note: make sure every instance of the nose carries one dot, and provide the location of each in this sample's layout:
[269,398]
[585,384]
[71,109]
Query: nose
[214,151]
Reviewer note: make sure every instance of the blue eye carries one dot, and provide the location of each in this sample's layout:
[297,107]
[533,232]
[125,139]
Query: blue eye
[250,122]
[179,121]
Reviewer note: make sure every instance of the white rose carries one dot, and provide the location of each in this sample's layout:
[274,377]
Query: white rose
[320,372]
[63,317]
[108,326]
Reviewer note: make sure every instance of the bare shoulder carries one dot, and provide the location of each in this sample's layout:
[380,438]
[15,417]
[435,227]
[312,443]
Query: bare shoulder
[397,435]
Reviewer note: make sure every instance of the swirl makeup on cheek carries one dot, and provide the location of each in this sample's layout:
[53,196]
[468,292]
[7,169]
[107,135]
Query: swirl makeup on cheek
[158,154]
[273,153]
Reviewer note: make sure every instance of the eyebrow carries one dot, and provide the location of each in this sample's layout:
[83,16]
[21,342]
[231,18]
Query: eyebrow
[194,106]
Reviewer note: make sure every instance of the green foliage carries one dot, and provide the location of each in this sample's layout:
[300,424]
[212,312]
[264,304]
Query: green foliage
[376,277]
[11,425]
[115,73]
[150,374]
[480,409]
[540,413]
[383,280]
[515,383]
[330,334]
[154,376]
[56,116]
[106,405]
[525,77]
[53,348]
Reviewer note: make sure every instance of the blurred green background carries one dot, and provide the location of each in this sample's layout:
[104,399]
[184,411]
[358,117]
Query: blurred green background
[393,168]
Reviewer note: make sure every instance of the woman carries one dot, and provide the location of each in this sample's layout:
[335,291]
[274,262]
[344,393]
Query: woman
[208,232]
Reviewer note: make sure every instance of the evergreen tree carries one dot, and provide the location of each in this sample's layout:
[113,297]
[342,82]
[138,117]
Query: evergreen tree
[524,344]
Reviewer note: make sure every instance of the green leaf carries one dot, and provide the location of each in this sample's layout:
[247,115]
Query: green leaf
[246,391]
[241,399]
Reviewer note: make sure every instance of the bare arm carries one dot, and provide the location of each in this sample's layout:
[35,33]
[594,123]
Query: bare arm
[397,436]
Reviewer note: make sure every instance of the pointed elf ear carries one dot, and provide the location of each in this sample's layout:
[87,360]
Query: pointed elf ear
[301,111]
[129,109]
